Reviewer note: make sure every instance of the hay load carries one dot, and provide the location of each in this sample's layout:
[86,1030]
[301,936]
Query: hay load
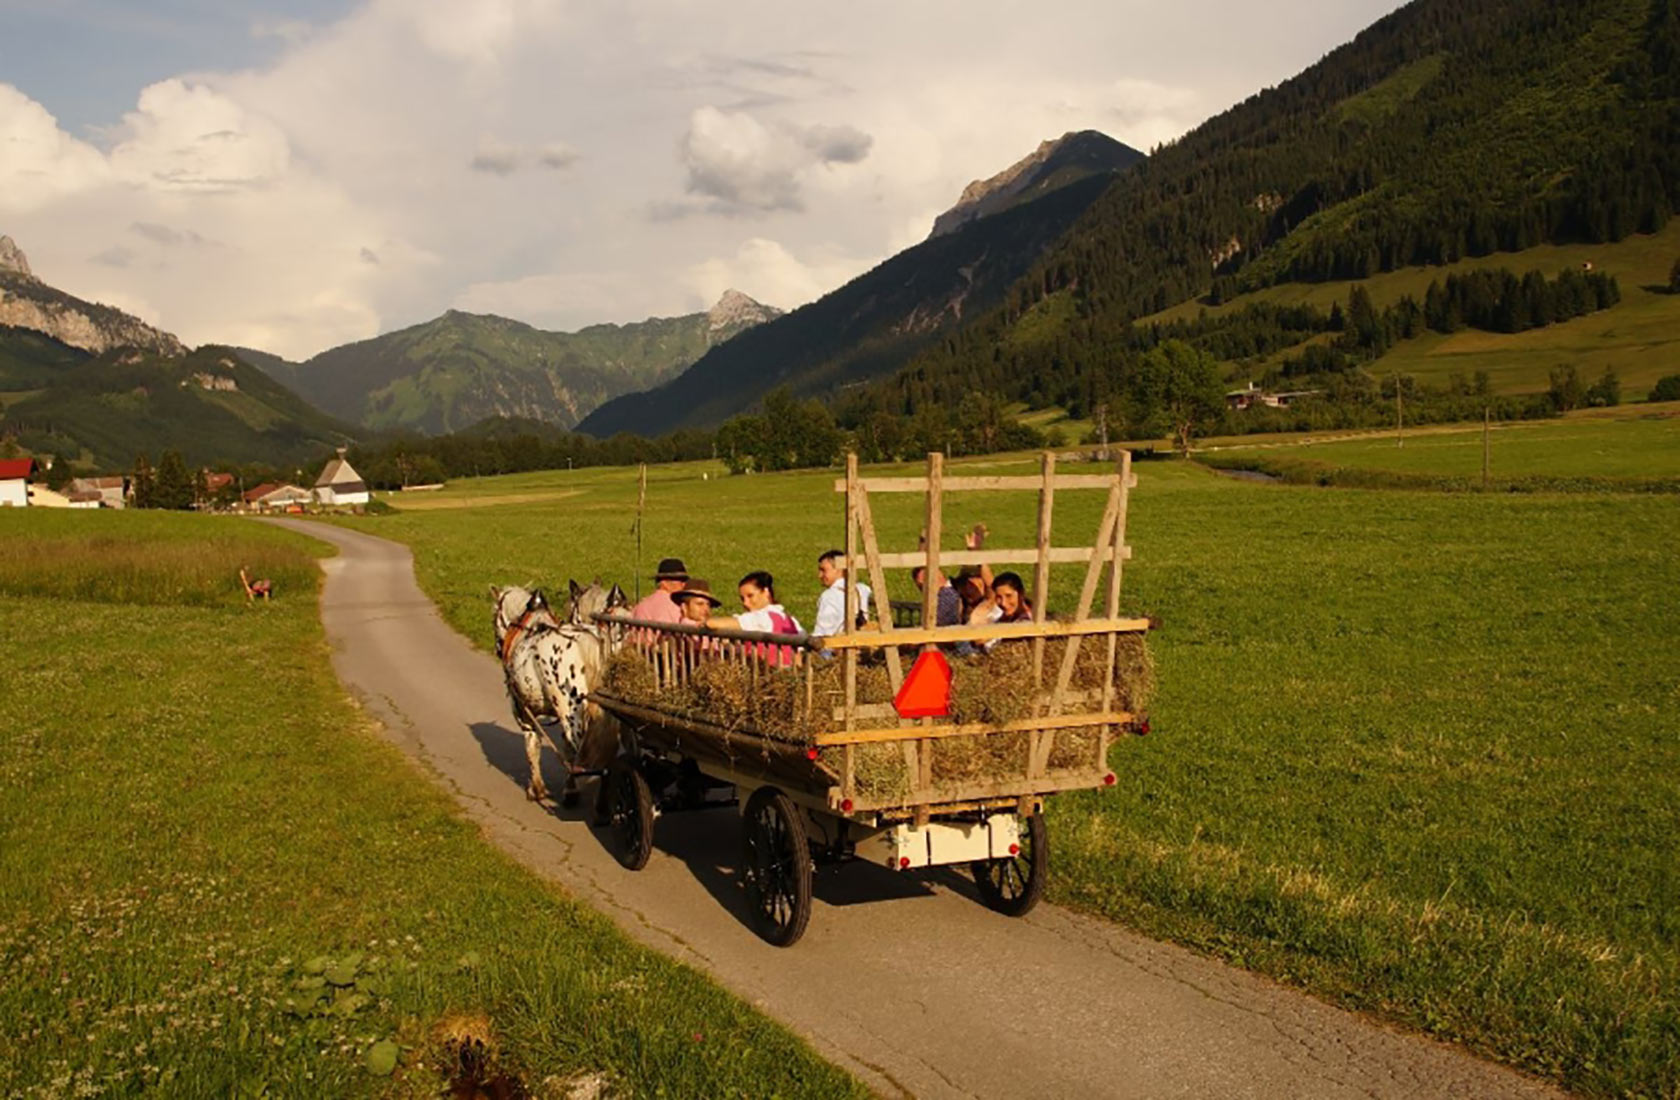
[989,688]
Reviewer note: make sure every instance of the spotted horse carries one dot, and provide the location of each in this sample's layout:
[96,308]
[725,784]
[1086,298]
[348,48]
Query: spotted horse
[550,665]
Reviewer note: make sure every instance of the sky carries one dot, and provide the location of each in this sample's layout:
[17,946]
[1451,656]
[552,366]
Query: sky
[291,175]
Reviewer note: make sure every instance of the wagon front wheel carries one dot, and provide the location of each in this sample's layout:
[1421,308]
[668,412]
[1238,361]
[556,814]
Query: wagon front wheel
[629,814]
[1012,885]
[776,867]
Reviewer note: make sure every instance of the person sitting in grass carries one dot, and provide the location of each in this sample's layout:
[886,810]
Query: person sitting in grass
[762,613]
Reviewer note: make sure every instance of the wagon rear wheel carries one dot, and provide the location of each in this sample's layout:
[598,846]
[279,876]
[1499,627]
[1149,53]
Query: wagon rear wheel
[1014,884]
[776,867]
[629,814]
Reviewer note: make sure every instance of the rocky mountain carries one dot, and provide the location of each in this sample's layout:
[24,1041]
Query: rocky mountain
[873,324]
[27,302]
[460,368]
[1055,163]
[102,410]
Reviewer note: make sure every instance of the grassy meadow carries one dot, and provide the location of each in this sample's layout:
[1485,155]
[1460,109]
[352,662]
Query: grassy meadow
[1639,337]
[1633,448]
[1412,751]
[216,880]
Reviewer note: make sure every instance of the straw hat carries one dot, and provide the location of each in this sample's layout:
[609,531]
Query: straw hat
[696,587]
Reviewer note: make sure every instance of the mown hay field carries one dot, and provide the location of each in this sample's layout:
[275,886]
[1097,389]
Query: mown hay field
[217,880]
[1631,442]
[1413,751]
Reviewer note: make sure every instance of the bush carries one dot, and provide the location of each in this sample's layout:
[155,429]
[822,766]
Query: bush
[1606,392]
[1666,389]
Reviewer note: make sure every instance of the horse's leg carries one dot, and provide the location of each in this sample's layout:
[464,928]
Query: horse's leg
[535,789]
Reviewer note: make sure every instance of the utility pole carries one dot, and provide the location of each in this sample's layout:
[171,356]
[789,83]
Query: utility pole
[1487,417]
[1102,432]
[1399,415]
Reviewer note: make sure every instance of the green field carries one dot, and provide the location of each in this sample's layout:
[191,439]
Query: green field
[216,880]
[1604,449]
[1639,338]
[1413,751]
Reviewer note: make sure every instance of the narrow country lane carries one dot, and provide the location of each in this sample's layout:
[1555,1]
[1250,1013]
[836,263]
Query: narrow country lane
[907,981]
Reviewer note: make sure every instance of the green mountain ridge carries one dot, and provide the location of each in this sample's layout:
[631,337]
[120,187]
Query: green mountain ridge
[1448,130]
[872,325]
[460,368]
[103,410]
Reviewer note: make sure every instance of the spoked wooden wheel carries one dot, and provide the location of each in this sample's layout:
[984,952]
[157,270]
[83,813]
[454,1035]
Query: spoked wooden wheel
[629,814]
[1014,884]
[776,867]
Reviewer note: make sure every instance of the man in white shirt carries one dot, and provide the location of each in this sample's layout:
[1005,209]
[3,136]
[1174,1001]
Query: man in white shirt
[831,605]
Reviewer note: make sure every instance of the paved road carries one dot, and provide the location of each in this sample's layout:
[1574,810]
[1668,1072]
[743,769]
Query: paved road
[905,980]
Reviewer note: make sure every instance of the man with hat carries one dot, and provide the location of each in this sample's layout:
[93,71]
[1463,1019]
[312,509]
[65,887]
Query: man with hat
[660,605]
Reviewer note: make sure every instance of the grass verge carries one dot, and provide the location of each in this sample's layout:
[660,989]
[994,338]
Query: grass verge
[216,880]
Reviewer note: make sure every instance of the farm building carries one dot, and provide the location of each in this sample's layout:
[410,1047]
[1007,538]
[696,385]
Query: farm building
[14,482]
[1252,395]
[106,492]
[340,484]
[275,495]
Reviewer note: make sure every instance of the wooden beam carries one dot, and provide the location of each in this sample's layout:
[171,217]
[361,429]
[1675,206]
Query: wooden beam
[1062,555]
[875,639]
[849,623]
[977,484]
[1041,571]
[971,729]
[878,578]
[919,755]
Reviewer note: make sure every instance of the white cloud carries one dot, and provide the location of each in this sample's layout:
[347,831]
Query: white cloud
[408,156]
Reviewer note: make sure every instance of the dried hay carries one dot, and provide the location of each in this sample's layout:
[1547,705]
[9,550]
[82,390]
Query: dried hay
[991,688]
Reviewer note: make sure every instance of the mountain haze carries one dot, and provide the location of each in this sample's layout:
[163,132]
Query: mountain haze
[460,368]
[873,324]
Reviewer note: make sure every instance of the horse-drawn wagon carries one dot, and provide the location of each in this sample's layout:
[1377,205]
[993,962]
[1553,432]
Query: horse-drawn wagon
[837,751]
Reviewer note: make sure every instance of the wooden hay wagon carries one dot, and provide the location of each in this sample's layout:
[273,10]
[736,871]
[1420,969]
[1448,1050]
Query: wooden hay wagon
[809,735]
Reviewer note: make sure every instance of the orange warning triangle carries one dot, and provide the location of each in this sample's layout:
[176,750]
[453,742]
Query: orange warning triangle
[926,691]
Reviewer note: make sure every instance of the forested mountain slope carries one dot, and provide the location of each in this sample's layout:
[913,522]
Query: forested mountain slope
[460,368]
[1449,129]
[873,324]
[107,408]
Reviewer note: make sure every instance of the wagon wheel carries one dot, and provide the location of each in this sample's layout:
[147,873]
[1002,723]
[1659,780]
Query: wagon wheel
[1012,885]
[629,814]
[776,866]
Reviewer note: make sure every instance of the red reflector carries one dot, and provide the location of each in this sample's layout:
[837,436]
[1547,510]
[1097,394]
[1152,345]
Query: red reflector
[903,863]
[926,691]
[1143,727]
[810,754]
[1108,780]
[1014,849]
[845,805]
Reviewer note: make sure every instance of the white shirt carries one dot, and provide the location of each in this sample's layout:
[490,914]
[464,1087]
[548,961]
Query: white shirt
[831,608]
[765,619]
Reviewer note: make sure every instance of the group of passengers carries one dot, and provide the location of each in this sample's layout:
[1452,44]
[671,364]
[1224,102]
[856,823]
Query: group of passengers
[974,597]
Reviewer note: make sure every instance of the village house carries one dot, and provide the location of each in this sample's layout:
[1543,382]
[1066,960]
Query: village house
[1252,395]
[277,496]
[340,484]
[104,492]
[14,482]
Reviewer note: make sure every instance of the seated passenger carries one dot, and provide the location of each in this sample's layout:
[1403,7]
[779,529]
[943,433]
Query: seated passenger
[762,613]
[831,605]
[1009,603]
[695,602]
[657,606]
[948,605]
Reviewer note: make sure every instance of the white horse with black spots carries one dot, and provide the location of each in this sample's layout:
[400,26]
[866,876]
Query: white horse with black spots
[551,666]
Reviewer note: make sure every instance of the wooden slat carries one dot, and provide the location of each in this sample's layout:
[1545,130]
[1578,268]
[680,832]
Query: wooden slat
[1112,607]
[1061,555]
[1082,611]
[871,712]
[971,729]
[919,755]
[878,578]
[922,635]
[1041,571]
[976,484]
[938,798]
[848,624]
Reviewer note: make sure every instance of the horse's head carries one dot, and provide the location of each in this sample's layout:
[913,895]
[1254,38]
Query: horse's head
[515,603]
[591,600]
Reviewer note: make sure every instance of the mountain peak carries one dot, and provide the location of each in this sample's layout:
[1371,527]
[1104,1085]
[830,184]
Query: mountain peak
[1055,163]
[12,258]
[735,311]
